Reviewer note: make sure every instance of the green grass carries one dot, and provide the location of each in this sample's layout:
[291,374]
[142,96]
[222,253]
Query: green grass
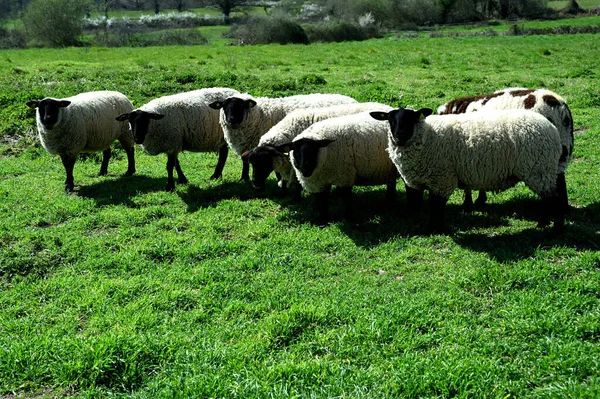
[585,4]
[122,289]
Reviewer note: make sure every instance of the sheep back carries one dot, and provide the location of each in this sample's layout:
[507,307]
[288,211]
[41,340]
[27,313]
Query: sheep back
[486,150]
[268,112]
[357,156]
[88,124]
[189,123]
[544,102]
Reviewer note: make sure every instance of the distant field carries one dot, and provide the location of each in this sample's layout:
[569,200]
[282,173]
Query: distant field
[216,291]
[587,4]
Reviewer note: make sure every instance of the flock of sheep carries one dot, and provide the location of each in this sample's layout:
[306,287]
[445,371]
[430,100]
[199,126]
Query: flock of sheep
[313,142]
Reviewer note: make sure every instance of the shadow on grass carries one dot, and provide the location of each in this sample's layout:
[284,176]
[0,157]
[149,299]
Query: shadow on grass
[119,191]
[196,197]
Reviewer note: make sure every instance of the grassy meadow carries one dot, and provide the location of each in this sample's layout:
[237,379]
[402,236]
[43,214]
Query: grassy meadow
[214,291]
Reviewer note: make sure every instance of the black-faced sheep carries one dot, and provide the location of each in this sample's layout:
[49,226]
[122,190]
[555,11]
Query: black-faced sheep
[343,152]
[491,150]
[271,156]
[84,123]
[245,119]
[181,122]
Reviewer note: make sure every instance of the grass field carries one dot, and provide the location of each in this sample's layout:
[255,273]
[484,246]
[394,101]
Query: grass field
[124,290]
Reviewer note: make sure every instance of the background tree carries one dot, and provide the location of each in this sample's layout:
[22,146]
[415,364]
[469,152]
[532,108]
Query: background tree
[226,6]
[48,21]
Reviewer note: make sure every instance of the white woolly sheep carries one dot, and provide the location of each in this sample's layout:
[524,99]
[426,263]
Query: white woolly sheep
[181,122]
[271,153]
[542,101]
[343,152]
[84,123]
[487,150]
[245,119]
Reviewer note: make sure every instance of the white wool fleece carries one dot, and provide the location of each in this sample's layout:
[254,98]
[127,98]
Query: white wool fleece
[485,150]
[542,101]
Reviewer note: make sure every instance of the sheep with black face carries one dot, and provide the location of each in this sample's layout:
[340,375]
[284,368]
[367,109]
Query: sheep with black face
[485,150]
[343,152]
[84,123]
[245,119]
[181,122]
[271,153]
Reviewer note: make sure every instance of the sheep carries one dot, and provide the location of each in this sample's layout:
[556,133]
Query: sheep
[343,152]
[245,119]
[487,150]
[545,102]
[271,153]
[181,122]
[83,123]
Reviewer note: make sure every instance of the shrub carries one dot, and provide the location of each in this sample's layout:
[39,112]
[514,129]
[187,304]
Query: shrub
[337,31]
[12,38]
[49,22]
[261,30]
[180,37]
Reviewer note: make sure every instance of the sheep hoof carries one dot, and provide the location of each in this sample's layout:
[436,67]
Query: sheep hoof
[129,172]
[215,176]
[170,188]
[182,181]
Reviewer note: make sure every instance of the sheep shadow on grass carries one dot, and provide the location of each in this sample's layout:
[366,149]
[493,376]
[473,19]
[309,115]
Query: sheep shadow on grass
[120,191]
[198,197]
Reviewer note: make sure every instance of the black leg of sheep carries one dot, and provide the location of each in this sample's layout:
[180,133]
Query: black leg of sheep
[104,166]
[437,206]
[130,161]
[223,151]
[68,163]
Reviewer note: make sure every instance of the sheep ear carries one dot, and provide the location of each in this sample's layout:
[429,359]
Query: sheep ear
[425,112]
[284,148]
[324,142]
[123,117]
[155,116]
[245,154]
[32,104]
[64,103]
[250,104]
[380,116]
[216,105]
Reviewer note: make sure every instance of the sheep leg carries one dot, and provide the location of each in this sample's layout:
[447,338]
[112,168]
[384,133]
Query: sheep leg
[171,162]
[181,179]
[284,188]
[346,194]
[481,199]
[414,198]
[561,189]
[104,166]
[322,207]
[390,190]
[437,206]
[223,151]
[130,161]
[298,192]
[245,170]
[69,163]
[467,205]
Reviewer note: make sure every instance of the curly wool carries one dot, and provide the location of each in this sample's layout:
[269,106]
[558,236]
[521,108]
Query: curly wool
[268,112]
[357,156]
[88,124]
[544,102]
[298,121]
[189,123]
[486,150]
